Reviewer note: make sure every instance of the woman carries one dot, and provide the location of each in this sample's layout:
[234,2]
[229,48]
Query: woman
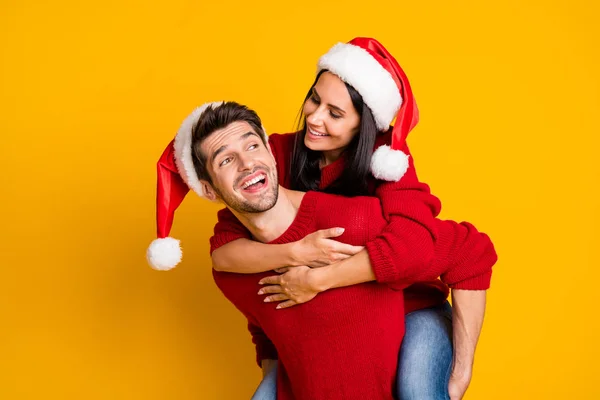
[348,110]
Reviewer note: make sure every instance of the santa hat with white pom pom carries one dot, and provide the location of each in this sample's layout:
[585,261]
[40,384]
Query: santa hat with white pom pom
[369,68]
[176,175]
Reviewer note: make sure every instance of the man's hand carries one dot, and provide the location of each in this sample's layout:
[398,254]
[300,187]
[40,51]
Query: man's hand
[319,249]
[298,285]
[458,385]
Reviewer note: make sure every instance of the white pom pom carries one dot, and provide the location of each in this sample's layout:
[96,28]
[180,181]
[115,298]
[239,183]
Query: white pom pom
[388,164]
[164,254]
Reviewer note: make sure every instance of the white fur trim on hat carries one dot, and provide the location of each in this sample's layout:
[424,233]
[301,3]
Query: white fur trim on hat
[164,254]
[183,148]
[355,66]
[388,164]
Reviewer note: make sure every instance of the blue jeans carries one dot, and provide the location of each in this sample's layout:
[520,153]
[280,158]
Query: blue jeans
[424,363]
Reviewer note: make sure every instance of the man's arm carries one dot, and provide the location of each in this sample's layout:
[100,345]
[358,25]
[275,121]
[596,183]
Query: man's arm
[468,309]
[265,349]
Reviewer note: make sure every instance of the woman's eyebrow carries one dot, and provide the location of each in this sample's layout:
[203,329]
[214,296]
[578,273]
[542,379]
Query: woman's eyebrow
[329,104]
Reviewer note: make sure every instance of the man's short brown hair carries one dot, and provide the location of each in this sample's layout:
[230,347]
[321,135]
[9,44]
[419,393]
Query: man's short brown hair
[215,118]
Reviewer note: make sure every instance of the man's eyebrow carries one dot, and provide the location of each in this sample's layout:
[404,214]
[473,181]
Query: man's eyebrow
[247,134]
[224,147]
[314,90]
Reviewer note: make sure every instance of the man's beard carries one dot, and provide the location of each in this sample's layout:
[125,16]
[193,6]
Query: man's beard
[243,206]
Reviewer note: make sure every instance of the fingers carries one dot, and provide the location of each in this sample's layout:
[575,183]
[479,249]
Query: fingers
[335,257]
[276,297]
[271,289]
[318,264]
[270,280]
[286,304]
[331,232]
[347,249]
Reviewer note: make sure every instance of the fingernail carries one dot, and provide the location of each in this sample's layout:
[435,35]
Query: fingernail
[260,283]
[340,230]
[260,291]
[266,300]
[278,306]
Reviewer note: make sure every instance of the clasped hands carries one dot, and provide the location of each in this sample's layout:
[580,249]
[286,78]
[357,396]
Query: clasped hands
[301,282]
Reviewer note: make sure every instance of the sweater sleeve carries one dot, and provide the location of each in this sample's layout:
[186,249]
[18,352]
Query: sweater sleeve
[471,256]
[464,258]
[227,229]
[406,245]
[265,349]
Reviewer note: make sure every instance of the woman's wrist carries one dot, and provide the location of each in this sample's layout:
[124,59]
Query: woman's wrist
[322,279]
[294,252]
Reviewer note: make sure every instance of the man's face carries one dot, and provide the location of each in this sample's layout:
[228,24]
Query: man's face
[242,169]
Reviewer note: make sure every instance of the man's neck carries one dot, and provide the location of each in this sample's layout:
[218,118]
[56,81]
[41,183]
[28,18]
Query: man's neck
[269,225]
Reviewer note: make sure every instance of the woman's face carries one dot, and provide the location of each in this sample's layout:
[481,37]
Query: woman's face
[331,119]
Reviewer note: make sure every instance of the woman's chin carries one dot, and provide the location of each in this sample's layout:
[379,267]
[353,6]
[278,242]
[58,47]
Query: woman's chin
[321,145]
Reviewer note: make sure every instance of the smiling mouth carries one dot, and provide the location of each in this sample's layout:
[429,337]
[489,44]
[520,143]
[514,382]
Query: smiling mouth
[255,183]
[318,134]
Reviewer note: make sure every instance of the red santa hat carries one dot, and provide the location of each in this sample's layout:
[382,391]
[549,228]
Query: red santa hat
[369,68]
[176,176]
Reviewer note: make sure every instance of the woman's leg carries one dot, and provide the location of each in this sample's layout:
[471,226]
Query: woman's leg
[425,360]
[267,390]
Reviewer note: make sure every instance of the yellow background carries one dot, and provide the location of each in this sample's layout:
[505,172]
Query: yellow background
[90,94]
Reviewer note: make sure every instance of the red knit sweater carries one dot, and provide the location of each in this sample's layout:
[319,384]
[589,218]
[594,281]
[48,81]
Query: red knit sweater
[344,343]
[408,248]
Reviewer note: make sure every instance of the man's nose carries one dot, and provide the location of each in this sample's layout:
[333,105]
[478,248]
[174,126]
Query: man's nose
[247,162]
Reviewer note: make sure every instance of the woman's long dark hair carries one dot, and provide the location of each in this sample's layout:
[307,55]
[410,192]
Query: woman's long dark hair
[305,171]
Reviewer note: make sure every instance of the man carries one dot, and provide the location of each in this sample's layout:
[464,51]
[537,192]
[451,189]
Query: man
[341,344]
[328,348]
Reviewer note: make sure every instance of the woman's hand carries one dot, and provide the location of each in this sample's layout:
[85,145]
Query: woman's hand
[296,286]
[318,249]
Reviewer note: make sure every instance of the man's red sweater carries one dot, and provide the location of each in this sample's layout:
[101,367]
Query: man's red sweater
[411,244]
[344,343]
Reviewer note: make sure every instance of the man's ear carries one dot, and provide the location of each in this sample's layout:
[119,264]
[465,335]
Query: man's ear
[208,191]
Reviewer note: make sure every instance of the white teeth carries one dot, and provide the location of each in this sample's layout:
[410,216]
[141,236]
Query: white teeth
[253,181]
[317,134]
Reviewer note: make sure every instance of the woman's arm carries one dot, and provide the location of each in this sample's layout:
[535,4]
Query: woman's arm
[246,256]
[463,257]
[406,246]
[232,250]
[301,284]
